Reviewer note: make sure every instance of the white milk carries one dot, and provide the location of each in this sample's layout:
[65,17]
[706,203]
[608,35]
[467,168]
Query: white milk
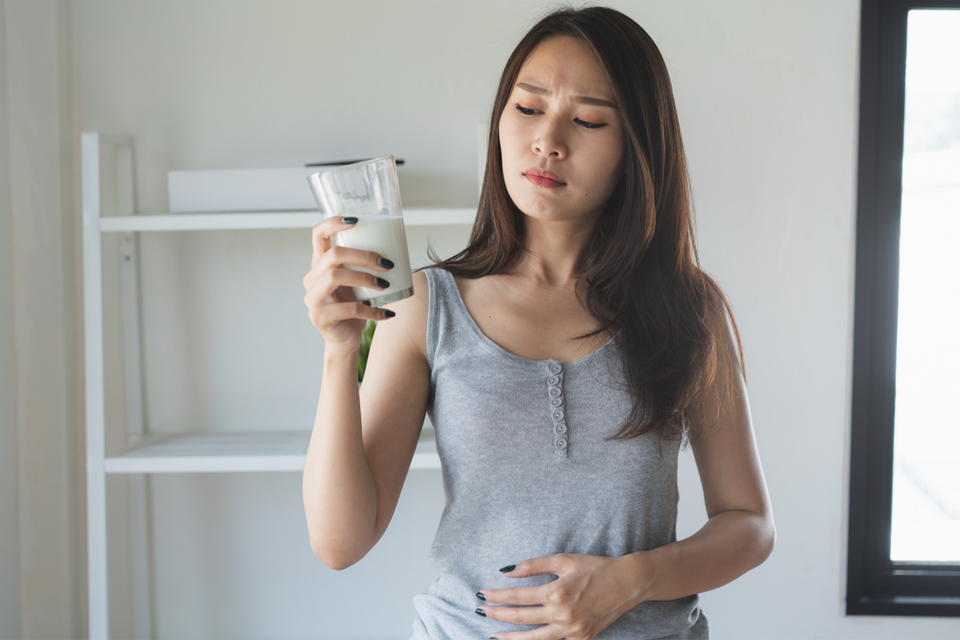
[385,236]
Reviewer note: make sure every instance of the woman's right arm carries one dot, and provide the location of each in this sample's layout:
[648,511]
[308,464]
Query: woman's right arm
[355,467]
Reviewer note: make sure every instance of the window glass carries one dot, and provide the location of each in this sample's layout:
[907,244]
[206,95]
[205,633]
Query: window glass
[926,479]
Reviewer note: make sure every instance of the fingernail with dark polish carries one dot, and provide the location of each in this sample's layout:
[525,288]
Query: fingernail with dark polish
[480,612]
[508,568]
[382,283]
[351,220]
[386,264]
[388,313]
[481,596]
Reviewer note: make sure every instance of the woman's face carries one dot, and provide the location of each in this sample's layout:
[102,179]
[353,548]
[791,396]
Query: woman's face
[561,137]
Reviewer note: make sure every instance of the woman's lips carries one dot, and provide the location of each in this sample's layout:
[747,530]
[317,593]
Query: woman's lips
[543,178]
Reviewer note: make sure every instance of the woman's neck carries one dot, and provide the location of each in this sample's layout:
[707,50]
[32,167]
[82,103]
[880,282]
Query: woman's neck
[554,251]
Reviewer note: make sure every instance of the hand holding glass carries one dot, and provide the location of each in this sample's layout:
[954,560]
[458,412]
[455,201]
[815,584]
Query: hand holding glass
[369,191]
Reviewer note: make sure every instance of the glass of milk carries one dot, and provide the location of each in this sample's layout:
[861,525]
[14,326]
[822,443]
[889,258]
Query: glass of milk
[369,191]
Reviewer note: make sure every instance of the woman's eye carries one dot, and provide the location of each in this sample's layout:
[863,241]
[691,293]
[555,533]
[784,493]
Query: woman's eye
[525,111]
[589,125]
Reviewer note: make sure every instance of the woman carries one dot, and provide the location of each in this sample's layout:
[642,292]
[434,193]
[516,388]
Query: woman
[563,356]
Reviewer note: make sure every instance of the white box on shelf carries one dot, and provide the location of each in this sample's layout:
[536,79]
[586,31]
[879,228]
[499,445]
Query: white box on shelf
[241,190]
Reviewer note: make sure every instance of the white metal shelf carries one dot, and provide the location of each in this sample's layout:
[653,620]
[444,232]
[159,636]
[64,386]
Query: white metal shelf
[412,216]
[234,452]
[107,169]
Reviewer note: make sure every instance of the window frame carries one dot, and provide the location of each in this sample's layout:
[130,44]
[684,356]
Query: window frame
[875,584]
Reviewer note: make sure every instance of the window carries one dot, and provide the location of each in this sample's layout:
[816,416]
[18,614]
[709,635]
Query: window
[904,533]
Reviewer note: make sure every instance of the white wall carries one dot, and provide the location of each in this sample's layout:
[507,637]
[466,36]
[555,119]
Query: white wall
[41,416]
[9,467]
[767,96]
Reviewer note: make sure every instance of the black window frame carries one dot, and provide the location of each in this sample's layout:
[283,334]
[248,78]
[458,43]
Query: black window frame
[875,584]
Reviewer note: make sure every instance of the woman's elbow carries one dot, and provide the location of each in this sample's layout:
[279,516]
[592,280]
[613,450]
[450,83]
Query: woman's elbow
[328,554]
[766,538]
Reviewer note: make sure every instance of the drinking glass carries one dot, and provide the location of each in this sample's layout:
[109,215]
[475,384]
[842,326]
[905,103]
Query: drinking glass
[369,191]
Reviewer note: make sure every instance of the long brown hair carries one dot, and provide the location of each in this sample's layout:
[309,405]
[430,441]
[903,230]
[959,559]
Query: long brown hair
[641,264]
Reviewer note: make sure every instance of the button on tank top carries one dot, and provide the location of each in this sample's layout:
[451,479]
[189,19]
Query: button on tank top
[529,470]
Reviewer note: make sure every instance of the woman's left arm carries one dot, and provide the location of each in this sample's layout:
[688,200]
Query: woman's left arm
[739,533]
[591,592]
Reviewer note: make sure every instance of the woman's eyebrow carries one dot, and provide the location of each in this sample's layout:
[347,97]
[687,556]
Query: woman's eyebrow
[540,91]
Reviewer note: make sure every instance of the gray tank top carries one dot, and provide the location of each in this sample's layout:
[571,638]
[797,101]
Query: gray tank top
[529,471]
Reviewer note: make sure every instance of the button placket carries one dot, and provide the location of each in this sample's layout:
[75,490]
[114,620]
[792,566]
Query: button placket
[557,414]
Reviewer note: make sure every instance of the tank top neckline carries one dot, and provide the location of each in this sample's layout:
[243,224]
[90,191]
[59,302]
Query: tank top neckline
[475,328]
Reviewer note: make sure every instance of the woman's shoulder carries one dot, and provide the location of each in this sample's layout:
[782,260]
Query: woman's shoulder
[421,286]
[419,303]
[410,321]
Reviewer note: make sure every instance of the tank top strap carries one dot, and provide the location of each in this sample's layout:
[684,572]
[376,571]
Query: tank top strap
[447,316]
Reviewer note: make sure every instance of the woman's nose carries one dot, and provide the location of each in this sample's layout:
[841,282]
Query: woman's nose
[550,140]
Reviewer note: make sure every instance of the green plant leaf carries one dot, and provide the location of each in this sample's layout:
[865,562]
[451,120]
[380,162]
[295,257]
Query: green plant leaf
[365,348]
